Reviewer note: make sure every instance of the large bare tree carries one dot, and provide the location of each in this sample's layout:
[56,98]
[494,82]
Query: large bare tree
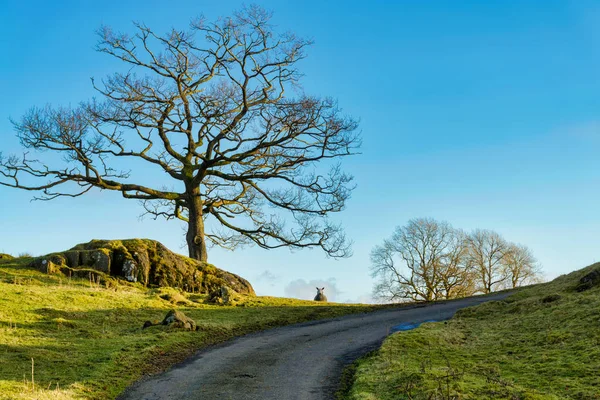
[208,106]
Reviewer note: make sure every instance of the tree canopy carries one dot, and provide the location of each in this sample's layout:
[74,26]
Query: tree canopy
[429,260]
[210,107]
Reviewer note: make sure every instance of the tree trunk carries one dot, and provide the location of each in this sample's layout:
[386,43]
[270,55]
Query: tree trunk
[487,279]
[195,235]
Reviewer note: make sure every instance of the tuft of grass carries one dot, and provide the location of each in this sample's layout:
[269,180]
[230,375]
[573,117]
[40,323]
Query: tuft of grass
[541,343]
[87,341]
[25,254]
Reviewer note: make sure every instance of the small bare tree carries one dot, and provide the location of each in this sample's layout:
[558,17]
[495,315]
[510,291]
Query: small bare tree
[521,266]
[208,108]
[487,252]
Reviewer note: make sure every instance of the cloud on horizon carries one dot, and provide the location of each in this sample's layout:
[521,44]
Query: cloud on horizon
[268,278]
[306,290]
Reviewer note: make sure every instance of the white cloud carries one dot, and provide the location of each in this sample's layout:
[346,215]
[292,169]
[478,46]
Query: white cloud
[268,278]
[301,289]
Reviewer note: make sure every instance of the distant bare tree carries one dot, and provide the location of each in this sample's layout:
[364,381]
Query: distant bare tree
[393,284]
[207,107]
[429,260]
[487,252]
[456,274]
[521,266]
[412,264]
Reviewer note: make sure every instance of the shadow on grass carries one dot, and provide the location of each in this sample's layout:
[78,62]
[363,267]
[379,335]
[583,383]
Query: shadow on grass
[104,350]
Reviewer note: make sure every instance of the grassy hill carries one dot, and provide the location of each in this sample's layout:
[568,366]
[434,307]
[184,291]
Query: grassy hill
[541,343]
[86,341]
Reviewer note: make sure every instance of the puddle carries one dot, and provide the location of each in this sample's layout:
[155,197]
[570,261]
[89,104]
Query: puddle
[407,326]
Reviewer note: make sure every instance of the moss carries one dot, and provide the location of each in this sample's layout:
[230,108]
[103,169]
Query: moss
[172,296]
[145,261]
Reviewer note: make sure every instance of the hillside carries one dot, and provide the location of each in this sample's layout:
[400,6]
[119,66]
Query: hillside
[85,337]
[541,343]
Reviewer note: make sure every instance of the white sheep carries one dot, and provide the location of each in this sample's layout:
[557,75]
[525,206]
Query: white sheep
[320,296]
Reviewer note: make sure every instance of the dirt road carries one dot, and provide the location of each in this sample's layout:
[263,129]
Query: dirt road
[302,362]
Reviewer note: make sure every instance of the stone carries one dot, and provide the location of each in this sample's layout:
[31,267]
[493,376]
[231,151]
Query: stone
[178,319]
[225,296]
[130,270]
[73,259]
[101,260]
[50,264]
[589,281]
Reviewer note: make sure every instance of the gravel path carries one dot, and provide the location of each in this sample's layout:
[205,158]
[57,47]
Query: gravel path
[302,361]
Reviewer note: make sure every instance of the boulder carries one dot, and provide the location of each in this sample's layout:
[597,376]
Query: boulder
[50,264]
[225,296]
[589,281]
[178,319]
[141,260]
[174,319]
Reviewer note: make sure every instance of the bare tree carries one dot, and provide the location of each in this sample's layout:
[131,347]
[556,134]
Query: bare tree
[409,264]
[456,275]
[393,283]
[487,251]
[207,107]
[429,260]
[521,266]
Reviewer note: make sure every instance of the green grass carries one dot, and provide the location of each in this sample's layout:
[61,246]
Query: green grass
[533,345]
[86,341]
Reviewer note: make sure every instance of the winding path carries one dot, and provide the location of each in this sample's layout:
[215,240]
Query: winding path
[302,361]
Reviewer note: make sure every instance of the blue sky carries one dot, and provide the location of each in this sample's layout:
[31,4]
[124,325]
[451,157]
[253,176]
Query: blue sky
[483,114]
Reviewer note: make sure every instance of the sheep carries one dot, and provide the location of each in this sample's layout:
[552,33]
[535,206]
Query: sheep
[320,296]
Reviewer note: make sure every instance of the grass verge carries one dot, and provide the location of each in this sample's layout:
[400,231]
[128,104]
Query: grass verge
[66,338]
[541,343]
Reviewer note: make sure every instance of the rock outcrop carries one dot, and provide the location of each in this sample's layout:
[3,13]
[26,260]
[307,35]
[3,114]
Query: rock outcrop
[141,260]
[589,281]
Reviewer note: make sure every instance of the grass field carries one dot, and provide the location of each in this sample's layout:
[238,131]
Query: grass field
[541,343]
[71,339]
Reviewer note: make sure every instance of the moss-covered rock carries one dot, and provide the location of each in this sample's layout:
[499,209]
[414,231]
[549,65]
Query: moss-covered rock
[178,319]
[174,319]
[225,295]
[589,281]
[141,260]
